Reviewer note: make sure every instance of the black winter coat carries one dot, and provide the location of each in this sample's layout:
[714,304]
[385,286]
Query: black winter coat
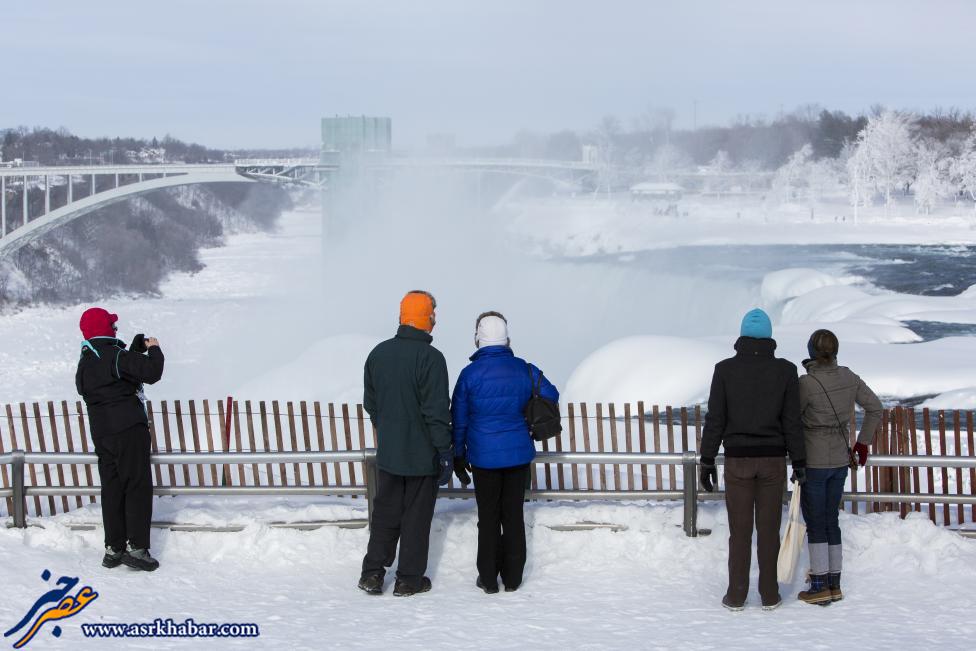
[110,379]
[405,392]
[754,406]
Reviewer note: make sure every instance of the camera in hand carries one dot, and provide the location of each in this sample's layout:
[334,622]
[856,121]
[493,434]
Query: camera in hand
[138,344]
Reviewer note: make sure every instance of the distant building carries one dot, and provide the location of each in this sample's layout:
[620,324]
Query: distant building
[352,138]
[653,190]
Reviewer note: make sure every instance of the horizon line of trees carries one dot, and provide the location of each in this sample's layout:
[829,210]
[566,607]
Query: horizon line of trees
[46,146]
[750,142]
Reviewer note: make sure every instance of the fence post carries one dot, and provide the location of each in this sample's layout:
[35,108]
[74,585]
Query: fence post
[372,480]
[689,471]
[20,498]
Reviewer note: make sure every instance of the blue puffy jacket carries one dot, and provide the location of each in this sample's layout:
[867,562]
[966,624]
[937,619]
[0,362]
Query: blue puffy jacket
[486,409]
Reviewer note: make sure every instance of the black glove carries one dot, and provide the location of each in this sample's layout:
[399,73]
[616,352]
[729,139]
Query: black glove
[445,463]
[708,474]
[799,474]
[138,344]
[461,468]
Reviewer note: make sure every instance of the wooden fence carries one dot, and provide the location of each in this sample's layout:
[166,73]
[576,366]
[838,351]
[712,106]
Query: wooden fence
[195,426]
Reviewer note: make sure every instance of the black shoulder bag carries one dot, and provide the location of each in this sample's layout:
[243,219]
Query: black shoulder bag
[541,413]
[851,459]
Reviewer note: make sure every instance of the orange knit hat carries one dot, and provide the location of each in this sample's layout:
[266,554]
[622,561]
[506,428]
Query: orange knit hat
[417,310]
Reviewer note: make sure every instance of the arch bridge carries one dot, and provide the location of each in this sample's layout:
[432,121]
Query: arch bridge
[72,191]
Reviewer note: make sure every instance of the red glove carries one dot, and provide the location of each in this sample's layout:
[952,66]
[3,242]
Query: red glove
[861,451]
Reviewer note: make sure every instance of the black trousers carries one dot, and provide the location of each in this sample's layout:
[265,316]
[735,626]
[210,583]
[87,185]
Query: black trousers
[403,509]
[500,493]
[125,473]
[754,498]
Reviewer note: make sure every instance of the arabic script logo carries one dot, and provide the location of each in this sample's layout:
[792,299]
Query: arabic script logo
[65,605]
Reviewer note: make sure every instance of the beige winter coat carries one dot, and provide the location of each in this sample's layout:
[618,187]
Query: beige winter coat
[826,441]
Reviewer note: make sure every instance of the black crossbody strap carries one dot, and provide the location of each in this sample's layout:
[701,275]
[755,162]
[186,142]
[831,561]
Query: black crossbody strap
[841,425]
[536,390]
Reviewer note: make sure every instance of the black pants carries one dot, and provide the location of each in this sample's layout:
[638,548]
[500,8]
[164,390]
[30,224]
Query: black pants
[403,509]
[754,497]
[500,493]
[125,473]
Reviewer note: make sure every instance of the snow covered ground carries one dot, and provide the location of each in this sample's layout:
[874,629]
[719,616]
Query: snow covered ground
[908,584]
[588,226]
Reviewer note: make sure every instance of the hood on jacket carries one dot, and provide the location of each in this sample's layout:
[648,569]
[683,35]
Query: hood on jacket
[752,347]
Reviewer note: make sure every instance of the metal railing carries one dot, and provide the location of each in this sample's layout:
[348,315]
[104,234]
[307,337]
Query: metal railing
[689,493]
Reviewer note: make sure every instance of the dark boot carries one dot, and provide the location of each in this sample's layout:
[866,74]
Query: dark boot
[139,559]
[372,584]
[489,589]
[112,558]
[731,606]
[401,589]
[833,582]
[819,592]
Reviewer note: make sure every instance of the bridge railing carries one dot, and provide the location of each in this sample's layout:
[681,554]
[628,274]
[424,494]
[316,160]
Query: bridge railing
[936,474]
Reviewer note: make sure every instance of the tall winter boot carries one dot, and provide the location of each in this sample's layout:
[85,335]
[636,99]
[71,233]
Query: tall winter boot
[833,582]
[819,592]
[836,555]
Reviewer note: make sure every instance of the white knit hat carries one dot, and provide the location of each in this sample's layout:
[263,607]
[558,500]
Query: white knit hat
[492,331]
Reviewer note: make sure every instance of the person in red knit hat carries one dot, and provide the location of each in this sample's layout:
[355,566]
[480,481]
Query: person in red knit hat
[110,378]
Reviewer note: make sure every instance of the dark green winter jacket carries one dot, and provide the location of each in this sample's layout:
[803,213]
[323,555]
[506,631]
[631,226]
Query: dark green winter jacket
[406,395]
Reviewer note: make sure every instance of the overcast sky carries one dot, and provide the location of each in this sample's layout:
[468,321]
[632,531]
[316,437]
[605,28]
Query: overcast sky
[260,74]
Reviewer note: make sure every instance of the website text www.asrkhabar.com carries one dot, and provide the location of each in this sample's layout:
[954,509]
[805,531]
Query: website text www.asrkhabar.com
[169,628]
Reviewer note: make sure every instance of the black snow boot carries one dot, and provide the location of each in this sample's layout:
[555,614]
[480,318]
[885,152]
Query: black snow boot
[833,582]
[112,558]
[139,559]
[731,606]
[372,584]
[819,592]
[489,589]
[401,589]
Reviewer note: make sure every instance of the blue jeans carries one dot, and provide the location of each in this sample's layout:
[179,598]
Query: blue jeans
[820,501]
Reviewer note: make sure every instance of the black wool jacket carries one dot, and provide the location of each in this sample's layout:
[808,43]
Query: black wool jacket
[110,380]
[405,392]
[754,406]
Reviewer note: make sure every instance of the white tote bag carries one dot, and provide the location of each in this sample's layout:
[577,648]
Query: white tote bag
[789,549]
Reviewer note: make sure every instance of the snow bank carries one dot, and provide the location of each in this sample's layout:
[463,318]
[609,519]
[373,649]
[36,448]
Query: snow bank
[646,587]
[330,370]
[842,303]
[784,284]
[957,399]
[656,369]
[678,371]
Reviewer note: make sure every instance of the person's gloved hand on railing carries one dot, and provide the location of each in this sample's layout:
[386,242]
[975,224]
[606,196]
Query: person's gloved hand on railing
[861,450]
[708,474]
[445,461]
[461,468]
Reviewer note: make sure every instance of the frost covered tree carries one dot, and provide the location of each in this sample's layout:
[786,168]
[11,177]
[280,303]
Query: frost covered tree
[717,170]
[791,178]
[823,175]
[859,178]
[963,169]
[884,157]
[667,160]
[932,179]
